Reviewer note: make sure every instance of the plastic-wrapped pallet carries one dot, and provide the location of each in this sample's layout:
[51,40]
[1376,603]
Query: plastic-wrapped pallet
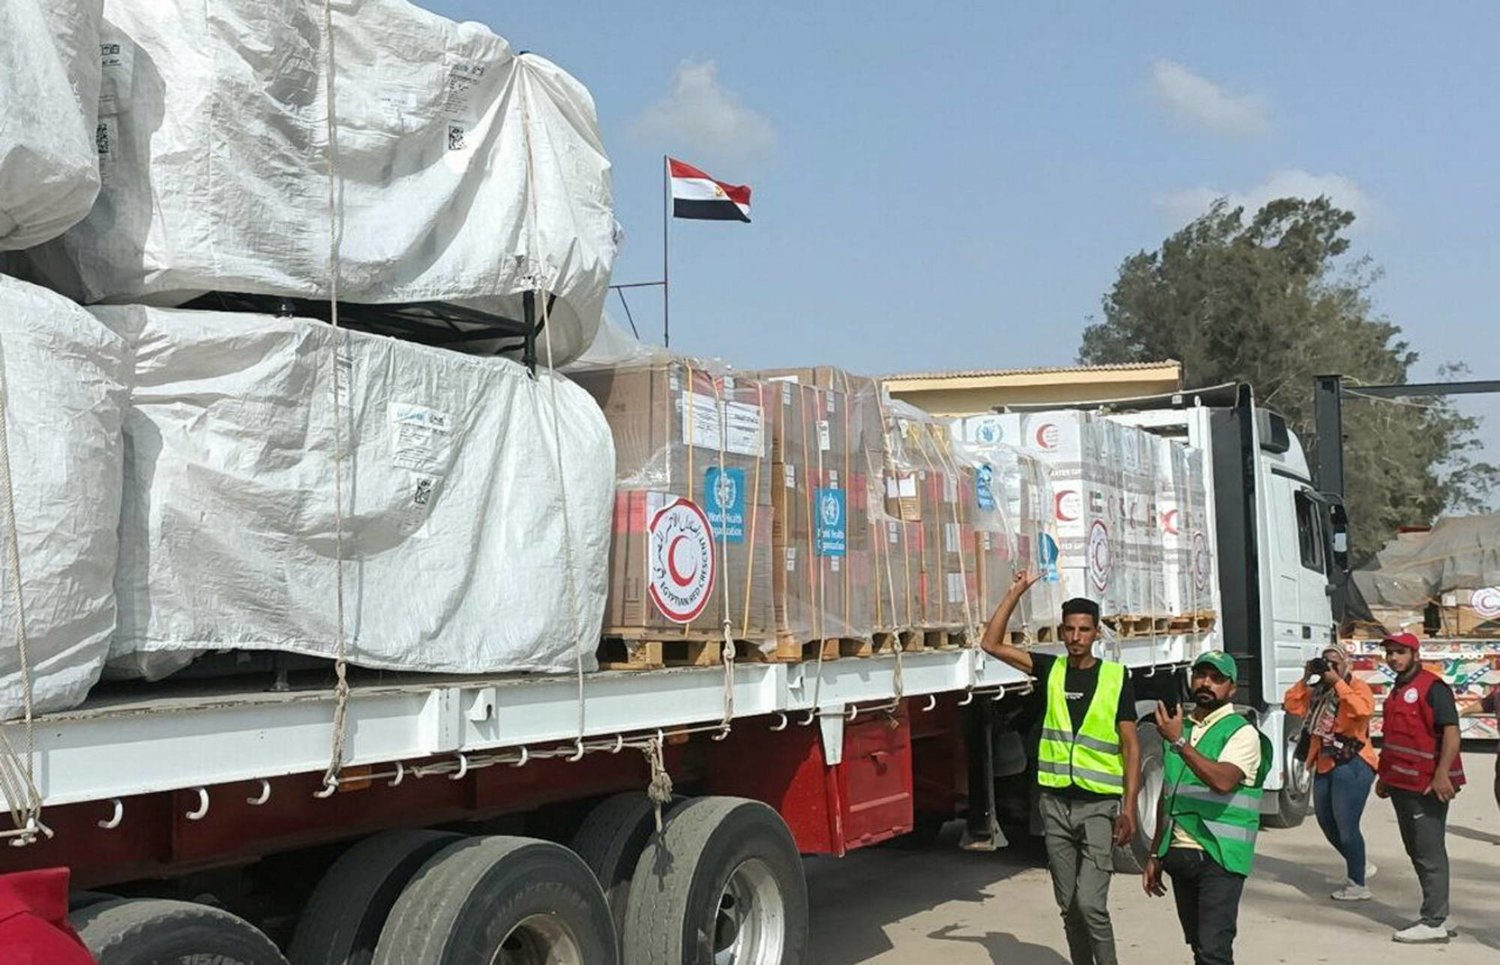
[1084,458]
[64,395]
[49,98]
[465,173]
[474,515]
[822,457]
[928,486]
[692,517]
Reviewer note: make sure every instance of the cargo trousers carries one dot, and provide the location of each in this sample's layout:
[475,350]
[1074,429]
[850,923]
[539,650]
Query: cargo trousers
[1079,837]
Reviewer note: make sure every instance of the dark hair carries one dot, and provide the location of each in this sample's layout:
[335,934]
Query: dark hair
[1081,604]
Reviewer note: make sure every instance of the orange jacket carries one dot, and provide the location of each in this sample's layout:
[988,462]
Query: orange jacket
[1356,707]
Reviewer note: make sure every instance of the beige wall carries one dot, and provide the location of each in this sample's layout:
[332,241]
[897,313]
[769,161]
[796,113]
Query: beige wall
[968,394]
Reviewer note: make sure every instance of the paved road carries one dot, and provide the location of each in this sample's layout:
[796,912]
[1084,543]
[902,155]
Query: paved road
[946,907]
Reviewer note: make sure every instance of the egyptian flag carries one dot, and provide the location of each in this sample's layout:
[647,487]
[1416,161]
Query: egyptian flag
[696,195]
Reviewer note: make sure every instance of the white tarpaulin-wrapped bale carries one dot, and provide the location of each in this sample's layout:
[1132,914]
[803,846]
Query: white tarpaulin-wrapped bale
[465,550]
[64,393]
[466,172]
[49,98]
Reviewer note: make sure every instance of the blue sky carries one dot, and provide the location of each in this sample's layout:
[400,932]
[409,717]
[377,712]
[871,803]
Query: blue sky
[944,185]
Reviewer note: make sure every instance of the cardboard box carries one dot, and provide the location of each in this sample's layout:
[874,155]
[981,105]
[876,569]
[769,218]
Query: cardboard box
[692,447]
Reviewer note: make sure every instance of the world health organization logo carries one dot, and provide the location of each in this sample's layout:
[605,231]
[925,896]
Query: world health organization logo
[830,509]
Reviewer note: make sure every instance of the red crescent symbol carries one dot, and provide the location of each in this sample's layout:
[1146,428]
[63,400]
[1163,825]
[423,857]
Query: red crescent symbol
[677,576]
[1041,432]
[1169,521]
[1058,509]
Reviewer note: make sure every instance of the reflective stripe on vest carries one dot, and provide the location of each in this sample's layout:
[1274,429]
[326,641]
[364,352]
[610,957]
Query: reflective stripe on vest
[1089,759]
[1224,825]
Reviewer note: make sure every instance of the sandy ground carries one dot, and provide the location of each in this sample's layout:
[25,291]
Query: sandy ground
[941,905]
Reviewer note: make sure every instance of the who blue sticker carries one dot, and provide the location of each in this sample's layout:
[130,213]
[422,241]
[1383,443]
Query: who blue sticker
[725,492]
[830,508]
[1046,558]
[983,493]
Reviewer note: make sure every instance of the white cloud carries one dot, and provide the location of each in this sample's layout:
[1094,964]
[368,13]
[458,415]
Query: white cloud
[1183,206]
[1200,101]
[699,116]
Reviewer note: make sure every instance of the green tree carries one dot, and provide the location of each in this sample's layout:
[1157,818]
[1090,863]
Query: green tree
[1273,302]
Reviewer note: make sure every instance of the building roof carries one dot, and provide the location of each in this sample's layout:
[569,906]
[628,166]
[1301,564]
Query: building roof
[1042,370]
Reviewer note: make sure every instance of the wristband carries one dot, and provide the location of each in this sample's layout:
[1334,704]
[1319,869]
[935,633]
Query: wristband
[1180,742]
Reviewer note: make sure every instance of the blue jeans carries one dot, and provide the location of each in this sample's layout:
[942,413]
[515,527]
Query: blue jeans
[1339,800]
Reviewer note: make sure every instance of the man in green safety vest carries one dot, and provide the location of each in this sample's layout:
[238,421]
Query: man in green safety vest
[1215,767]
[1088,766]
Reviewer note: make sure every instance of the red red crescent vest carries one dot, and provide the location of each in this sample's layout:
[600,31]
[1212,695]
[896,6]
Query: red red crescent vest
[1409,752]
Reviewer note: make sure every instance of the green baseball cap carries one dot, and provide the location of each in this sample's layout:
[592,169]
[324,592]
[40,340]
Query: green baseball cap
[1220,661]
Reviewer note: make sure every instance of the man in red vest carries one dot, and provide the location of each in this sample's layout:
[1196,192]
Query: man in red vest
[1420,771]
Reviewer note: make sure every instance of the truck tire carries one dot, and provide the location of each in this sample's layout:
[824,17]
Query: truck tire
[157,931]
[1295,796]
[610,842]
[722,882]
[500,899]
[342,920]
[1131,858]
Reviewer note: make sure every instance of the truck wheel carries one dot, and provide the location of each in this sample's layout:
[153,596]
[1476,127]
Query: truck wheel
[722,883]
[1132,858]
[506,901]
[1295,796]
[610,842]
[156,931]
[348,908]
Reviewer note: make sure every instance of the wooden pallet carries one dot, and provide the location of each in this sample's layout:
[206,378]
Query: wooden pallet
[618,653]
[790,649]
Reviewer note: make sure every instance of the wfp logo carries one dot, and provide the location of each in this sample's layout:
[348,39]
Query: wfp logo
[829,509]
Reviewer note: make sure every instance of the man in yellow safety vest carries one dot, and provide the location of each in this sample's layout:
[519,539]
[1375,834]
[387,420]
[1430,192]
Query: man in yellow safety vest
[1088,766]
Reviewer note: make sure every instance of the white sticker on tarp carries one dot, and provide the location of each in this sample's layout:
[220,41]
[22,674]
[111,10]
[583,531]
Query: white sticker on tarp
[893,531]
[791,476]
[950,489]
[950,537]
[833,563]
[421,438]
[825,436]
[117,62]
[833,478]
[828,402]
[955,588]
[791,559]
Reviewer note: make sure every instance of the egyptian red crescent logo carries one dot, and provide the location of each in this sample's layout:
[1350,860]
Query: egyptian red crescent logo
[1169,521]
[1046,435]
[680,559]
[1062,499]
[674,556]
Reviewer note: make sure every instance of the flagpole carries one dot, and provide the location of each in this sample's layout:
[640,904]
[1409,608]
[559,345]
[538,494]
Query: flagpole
[666,284]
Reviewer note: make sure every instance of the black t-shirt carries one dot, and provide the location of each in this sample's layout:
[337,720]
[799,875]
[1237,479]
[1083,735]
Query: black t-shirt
[1079,686]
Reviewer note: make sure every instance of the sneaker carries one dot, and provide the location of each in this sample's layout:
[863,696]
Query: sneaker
[1370,870]
[1352,892]
[1420,934]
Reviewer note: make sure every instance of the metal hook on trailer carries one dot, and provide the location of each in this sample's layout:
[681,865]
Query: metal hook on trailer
[619,744]
[723,731]
[330,784]
[116,816]
[781,722]
[400,775]
[812,715]
[463,768]
[578,752]
[263,796]
[853,712]
[968,699]
[525,756]
[931,704]
[201,812]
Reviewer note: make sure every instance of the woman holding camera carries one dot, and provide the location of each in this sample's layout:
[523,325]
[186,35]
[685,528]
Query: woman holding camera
[1336,708]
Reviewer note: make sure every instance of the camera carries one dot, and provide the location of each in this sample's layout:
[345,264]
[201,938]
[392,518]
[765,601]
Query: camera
[1316,668]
